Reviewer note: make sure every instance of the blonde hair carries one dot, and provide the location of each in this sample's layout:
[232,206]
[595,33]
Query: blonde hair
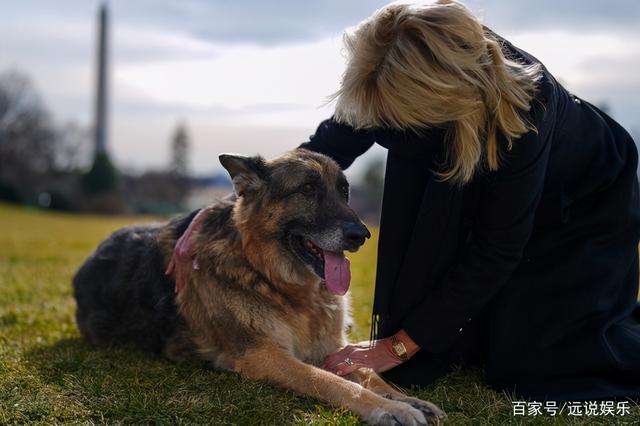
[411,67]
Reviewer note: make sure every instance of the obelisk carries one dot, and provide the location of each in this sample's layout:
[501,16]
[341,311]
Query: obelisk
[101,83]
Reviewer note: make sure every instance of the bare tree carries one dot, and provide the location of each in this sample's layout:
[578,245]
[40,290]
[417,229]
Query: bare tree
[72,148]
[27,137]
[37,158]
[180,151]
[179,167]
[26,133]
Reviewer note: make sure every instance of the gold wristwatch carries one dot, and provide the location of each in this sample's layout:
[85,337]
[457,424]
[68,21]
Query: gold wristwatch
[398,348]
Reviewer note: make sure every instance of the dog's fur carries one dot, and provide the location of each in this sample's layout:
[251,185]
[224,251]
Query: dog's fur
[255,305]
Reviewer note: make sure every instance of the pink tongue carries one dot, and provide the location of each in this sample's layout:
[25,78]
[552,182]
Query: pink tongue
[337,274]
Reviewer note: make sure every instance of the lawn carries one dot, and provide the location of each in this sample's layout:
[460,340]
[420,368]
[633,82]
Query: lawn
[48,374]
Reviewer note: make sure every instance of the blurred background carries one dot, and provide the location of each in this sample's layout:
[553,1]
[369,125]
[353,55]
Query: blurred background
[123,106]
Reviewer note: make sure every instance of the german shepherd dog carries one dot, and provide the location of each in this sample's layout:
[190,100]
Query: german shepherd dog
[264,296]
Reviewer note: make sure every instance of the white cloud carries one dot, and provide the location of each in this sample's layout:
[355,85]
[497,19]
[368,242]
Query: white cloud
[565,53]
[242,75]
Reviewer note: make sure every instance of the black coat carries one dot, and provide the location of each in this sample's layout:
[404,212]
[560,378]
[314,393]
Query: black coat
[530,271]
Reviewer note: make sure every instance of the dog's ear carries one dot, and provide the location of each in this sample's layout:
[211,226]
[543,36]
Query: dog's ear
[247,173]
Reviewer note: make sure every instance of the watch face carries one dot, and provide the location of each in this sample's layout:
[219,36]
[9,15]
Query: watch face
[399,348]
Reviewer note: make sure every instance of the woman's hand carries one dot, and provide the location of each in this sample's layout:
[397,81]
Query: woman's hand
[377,355]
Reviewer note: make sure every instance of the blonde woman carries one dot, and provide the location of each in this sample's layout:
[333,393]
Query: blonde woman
[510,219]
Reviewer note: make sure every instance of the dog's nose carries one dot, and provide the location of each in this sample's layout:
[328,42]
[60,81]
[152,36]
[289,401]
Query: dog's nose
[355,233]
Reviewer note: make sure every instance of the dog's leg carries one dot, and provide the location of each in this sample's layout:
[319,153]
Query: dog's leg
[270,362]
[369,379]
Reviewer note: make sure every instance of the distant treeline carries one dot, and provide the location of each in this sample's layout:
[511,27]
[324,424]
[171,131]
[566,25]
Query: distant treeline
[53,166]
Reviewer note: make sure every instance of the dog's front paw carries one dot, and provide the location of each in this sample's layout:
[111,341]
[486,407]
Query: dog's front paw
[396,413]
[431,412]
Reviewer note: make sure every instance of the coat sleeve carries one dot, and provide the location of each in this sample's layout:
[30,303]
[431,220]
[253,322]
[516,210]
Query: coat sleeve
[501,229]
[339,141]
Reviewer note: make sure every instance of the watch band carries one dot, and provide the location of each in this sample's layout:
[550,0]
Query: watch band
[399,348]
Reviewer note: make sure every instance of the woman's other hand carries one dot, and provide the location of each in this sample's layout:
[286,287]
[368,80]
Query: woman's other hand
[377,355]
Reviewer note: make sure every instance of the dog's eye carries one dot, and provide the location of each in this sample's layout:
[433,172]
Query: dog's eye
[308,189]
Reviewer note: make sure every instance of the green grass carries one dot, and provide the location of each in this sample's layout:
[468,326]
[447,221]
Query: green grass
[48,374]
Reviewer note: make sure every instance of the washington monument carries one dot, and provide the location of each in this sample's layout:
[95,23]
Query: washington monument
[100,123]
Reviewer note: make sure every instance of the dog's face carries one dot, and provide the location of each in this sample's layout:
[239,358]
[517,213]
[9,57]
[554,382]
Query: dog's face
[294,209]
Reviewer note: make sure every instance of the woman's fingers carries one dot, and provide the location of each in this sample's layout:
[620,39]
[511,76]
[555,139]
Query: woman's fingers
[343,369]
[331,362]
[350,358]
[365,358]
[339,356]
[377,357]
[334,356]
[344,363]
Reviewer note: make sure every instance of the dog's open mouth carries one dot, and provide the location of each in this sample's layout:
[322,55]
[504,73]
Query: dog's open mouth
[331,266]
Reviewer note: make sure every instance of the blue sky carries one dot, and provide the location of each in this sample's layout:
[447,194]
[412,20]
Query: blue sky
[253,76]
